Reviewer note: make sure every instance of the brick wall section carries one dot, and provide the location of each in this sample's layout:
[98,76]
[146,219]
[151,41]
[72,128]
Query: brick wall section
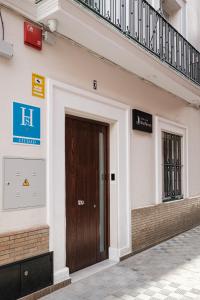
[154,224]
[19,245]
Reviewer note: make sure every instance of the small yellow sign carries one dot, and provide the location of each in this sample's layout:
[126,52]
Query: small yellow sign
[38,86]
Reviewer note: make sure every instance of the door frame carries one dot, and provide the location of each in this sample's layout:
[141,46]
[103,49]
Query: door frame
[64,98]
[100,257]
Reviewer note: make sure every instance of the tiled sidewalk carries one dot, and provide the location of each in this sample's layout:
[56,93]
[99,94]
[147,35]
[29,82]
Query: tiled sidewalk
[168,271]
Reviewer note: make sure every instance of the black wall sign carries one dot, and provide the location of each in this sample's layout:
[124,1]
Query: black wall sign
[142,121]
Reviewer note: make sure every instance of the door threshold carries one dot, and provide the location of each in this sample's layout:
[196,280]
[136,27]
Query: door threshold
[89,271]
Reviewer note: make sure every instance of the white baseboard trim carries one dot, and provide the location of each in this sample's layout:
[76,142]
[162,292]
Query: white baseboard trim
[114,254]
[61,275]
[125,251]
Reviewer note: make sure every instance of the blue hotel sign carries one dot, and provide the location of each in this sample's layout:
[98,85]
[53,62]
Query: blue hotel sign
[26,124]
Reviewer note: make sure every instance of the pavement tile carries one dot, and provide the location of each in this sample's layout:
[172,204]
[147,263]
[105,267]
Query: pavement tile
[128,297]
[174,284]
[160,296]
[149,292]
[165,292]
[195,291]
[191,295]
[169,271]
[110,297]
[181,291]
[171,298]
[155,289]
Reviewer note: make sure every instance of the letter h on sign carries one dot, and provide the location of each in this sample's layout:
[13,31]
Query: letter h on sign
[27,120]
[26,124]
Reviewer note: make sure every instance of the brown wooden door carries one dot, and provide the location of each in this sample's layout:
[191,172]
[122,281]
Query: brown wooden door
[86,192]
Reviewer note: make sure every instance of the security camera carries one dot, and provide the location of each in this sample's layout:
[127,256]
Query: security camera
[52,24]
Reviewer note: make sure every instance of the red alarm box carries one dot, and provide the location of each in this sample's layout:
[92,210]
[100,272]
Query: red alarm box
[32,36]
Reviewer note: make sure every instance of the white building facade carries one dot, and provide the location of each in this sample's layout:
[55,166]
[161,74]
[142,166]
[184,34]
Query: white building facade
[86,180]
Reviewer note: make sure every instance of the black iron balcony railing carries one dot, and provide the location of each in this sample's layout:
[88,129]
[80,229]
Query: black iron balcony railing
[139,21]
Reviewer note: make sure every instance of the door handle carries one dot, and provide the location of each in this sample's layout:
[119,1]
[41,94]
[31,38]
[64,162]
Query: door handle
[81,202]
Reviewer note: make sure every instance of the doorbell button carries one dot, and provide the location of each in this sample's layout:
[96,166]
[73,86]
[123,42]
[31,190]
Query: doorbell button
[112,176]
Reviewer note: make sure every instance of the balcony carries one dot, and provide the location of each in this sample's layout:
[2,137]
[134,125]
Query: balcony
[133,35]
[139,21]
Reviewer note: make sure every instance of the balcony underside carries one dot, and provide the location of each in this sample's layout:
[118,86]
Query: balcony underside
[88,29]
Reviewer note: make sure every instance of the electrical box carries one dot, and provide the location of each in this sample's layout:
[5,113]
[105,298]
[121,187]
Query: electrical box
[27,276]
[32,36]
[24,183]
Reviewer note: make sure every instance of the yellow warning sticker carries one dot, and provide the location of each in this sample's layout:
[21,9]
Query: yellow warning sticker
[26,182]
[38,86]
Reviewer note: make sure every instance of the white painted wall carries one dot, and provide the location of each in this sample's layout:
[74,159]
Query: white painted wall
[69,63]
[185,19]
[193,20]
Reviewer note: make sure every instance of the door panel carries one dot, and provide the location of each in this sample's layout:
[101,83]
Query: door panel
[85,148]
[36,274]
[10,282]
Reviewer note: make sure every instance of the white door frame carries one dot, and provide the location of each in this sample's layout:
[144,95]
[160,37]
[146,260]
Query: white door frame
[64,98]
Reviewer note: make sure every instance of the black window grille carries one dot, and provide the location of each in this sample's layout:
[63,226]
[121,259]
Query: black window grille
[172,166]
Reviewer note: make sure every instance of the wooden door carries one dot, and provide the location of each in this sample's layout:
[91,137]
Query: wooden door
[86,148]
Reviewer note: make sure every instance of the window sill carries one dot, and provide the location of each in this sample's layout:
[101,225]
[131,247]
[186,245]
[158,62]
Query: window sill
[172,200]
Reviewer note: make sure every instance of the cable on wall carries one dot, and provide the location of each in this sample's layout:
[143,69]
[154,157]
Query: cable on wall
[2,25]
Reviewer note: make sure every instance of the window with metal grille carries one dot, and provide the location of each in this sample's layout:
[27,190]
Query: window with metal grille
[172,166]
